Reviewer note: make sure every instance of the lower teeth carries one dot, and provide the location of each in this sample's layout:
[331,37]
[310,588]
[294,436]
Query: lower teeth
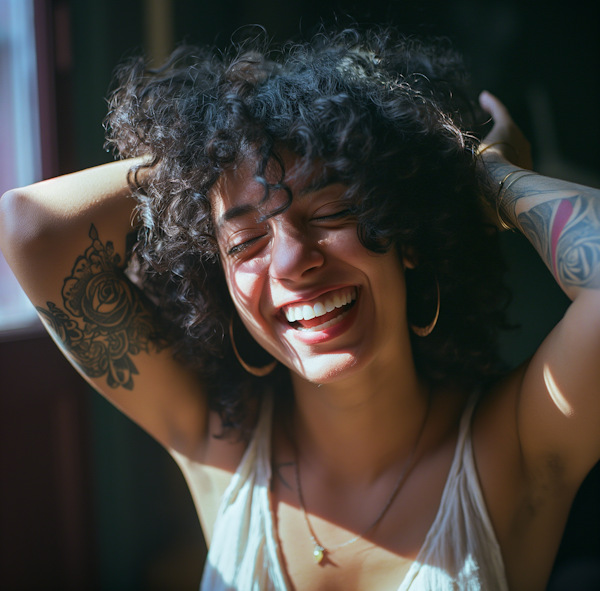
[328,324]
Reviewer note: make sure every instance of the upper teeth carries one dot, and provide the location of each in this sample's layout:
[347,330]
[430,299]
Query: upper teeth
[308,312]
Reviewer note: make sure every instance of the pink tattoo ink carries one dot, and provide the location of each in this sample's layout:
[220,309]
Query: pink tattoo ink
[563,213]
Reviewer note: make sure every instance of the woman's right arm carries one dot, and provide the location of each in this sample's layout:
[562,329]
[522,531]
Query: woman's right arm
[65,239]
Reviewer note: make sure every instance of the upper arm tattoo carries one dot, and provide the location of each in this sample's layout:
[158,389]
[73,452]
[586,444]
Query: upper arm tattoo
[566,232]
[105,319]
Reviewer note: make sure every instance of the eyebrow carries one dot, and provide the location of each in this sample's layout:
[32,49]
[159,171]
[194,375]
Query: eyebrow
[236,212]
[319,184]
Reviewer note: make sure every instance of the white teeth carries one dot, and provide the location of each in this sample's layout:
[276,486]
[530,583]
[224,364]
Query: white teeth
[319,309]
[308,312]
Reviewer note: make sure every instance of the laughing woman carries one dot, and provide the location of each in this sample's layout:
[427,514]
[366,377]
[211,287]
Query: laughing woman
[308,324]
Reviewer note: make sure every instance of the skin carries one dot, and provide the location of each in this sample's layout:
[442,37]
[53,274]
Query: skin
[359,406]
[306,253]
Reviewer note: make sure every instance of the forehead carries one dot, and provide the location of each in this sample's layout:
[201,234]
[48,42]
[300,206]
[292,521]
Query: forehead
[238,192]
[235,187]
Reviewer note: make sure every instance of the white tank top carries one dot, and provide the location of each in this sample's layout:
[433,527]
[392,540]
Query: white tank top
[460,551]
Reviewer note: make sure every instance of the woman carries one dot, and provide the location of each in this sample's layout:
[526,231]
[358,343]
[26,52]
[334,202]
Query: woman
[327,202]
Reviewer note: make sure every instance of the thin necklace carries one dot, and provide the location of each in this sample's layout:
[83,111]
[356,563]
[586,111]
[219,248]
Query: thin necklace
[319,550]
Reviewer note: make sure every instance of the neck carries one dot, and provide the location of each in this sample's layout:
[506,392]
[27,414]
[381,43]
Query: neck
[354,429]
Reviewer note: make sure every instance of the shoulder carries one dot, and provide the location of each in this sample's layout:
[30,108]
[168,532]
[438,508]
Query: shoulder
[209,473]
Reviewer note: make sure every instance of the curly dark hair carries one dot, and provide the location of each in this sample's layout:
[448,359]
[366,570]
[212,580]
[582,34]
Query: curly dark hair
[384,114]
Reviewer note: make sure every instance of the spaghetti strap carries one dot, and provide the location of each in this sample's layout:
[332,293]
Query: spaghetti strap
[460,551]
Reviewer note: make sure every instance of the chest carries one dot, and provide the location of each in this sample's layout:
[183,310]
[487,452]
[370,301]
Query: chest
[361,565]
[377,560]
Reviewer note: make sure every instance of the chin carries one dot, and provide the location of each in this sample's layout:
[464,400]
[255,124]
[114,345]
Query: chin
[328,369]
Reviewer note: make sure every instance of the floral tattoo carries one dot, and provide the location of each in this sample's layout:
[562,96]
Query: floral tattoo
[106,318]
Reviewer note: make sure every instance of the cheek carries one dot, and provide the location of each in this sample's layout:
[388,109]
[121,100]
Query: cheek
[344,243]
[245,283]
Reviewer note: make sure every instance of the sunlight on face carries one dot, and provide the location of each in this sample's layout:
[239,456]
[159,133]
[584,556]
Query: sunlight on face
[301,258]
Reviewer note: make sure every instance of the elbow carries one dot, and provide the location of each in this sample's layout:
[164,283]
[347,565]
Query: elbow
[7,217]
[20,227]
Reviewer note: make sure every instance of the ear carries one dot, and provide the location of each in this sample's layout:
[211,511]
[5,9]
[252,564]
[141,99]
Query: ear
[409,258]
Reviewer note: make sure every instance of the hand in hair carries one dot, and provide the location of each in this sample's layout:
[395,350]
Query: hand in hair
[505,138]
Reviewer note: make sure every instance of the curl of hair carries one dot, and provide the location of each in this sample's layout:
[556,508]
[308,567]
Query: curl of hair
[383,113]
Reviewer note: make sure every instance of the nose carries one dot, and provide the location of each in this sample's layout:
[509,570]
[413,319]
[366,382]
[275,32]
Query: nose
[294,255]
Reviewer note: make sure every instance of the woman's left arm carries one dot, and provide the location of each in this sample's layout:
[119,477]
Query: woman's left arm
[558,403]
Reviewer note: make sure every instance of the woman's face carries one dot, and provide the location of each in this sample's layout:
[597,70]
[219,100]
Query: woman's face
[305,287]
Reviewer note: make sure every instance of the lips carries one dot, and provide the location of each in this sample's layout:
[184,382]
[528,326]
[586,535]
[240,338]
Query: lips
[322,312]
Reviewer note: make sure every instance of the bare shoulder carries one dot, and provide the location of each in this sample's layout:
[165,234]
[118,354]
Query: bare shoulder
[209,473]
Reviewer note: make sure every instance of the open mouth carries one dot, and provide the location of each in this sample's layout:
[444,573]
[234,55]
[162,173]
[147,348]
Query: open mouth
[325,312]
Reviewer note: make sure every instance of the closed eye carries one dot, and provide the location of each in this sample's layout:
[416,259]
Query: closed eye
[238,248]
[242,246]
[335,216]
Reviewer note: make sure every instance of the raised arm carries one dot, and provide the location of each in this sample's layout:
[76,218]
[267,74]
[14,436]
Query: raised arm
[558,402]
[65,240]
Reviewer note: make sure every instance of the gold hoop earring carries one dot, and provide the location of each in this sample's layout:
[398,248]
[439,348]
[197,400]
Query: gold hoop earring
[423,331]
[259,372]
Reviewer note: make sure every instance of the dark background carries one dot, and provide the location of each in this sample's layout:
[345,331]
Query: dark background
[89,501]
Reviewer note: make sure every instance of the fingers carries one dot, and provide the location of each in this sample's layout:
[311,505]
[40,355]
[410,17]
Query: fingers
[505,133]
[495,107]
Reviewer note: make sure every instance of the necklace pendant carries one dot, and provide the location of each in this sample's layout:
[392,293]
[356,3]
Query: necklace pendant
[318,554]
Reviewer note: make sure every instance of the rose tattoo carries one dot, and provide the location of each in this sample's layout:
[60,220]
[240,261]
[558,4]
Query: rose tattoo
[106,319]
